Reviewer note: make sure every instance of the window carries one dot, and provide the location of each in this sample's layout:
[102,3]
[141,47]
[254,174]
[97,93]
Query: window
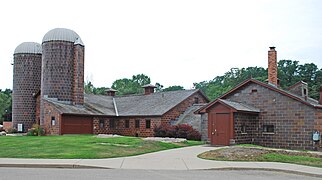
[196,100]
[268,128]
[102,124]
[127,123]
[254,90]
[137,123]
[53,121]
[112,123]
[148,124]
[243,129]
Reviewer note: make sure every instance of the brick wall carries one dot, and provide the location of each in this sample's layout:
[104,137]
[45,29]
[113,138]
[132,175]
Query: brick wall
[120,128]
[293,121]
[318,126]
[181,108]
[49,112]
[250,121]
[7,125]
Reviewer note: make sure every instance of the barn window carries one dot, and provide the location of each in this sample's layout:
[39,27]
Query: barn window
[127,123]
[254,90]
[112,123]
[148,124]
[243,129]
[53,121]
[102,124]
[196,100]
[137,123]
[268,128]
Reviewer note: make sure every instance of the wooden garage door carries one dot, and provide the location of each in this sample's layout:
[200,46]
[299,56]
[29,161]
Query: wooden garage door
[77,125]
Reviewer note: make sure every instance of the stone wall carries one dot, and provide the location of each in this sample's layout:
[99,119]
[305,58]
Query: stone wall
[250,123]
[204,127]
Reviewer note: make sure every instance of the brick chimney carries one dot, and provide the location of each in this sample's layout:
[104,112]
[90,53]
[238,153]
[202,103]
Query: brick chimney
[320,95]
[148,89]
[272,67]
[110,92]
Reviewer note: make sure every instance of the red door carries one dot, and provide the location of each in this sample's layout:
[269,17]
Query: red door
[220,128]
[76,125]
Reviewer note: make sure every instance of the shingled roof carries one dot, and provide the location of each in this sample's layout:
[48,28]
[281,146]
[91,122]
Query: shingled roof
[309,101]
[239,106]
[155,104]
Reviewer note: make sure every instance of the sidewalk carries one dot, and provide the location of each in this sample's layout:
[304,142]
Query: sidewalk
[174,159]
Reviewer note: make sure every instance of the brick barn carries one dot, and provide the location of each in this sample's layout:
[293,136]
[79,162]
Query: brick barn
[264,114]
[48,89]
[134,115]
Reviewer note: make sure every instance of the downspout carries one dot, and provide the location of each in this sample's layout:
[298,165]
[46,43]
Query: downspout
[115,107]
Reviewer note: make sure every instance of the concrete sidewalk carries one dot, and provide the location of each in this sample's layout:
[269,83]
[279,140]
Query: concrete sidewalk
[174,159]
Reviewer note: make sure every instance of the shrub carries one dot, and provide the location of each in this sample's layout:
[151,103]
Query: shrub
[177,131]
[12,131]
[36,130]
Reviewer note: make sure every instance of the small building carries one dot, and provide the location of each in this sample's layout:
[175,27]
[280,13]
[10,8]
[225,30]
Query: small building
[264,114]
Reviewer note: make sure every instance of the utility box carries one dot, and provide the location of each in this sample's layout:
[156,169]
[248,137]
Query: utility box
[316,137]
[20,128]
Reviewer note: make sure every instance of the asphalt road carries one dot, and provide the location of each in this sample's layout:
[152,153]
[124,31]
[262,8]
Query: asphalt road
[121,174]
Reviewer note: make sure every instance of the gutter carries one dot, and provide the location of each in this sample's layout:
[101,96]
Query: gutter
[115,107]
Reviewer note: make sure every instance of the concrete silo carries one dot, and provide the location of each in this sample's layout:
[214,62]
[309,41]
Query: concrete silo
[62,67]
[26,83]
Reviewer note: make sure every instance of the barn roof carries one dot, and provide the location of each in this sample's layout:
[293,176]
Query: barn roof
[155,104]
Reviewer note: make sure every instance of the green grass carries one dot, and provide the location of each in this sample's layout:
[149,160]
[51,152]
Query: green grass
[80,147]
[274,156]
[303,160]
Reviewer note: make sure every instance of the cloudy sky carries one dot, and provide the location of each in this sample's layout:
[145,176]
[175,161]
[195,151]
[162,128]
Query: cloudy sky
[175,42]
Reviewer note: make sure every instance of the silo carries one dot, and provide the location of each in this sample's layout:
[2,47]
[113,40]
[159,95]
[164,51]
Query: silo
[26,83]
[62,67]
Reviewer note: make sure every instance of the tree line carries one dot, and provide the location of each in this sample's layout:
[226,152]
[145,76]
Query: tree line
[127,86]
[289,73]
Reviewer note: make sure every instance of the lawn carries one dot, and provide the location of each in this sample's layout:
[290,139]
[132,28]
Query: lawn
[261,154]
[80,147]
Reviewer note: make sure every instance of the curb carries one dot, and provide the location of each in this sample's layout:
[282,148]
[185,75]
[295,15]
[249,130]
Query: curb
[62,166]
[76,166]
[268,169]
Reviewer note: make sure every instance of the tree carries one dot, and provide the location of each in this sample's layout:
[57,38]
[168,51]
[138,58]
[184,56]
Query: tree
[173,88]
[159,87]
[5,103]
[289,73]
[88,88]
[127,86]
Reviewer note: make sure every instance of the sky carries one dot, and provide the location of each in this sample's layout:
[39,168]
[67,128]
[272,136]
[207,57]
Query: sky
[174,42]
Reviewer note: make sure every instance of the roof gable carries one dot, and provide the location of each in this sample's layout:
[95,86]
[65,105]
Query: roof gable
[310,102]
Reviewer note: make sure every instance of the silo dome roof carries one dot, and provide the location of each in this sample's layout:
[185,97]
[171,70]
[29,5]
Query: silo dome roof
[62,34]
[28,47]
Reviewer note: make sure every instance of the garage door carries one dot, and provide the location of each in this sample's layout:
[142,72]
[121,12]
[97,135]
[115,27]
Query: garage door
[77,125]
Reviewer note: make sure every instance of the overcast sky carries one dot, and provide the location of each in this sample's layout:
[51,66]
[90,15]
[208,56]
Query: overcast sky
[173,42]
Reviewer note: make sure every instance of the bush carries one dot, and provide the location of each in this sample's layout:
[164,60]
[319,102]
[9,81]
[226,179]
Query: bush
[36,130]
[12,131]
[177,131]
